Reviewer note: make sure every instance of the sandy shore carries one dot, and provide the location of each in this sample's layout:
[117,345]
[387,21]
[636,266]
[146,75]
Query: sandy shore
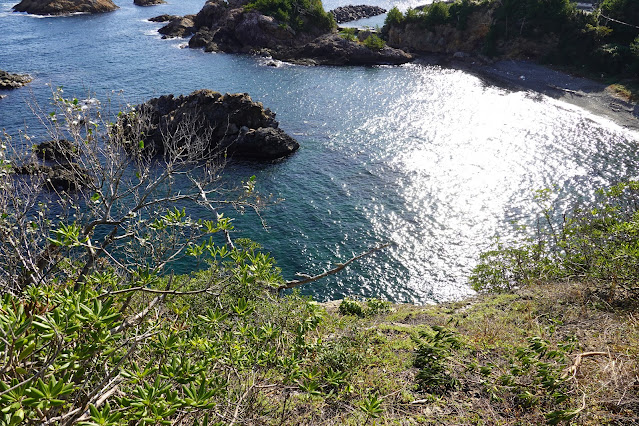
[524,75]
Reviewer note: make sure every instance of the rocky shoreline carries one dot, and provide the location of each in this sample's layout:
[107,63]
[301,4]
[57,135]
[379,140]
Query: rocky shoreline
[10,81]
[581,92]
[230,27]
[223,124]
[350,13]
[64,7]
[148,2]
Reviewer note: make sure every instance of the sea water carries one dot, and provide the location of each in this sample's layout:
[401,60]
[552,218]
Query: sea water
[434,160]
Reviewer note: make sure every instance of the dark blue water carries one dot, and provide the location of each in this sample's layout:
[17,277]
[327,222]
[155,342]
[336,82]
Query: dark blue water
[432,159]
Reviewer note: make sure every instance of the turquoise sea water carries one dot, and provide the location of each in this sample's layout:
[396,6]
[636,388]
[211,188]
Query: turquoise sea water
[432,159]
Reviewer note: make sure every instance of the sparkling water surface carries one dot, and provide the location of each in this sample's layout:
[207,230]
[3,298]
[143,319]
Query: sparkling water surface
[432,159]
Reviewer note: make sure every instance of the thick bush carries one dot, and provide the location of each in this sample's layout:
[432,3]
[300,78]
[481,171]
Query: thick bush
[303,15]
[598,244]
[374,42]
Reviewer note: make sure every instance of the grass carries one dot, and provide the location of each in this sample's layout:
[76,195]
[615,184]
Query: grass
[626,89]
[490,330]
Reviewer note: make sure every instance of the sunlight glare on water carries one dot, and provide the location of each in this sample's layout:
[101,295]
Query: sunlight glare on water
[434,160]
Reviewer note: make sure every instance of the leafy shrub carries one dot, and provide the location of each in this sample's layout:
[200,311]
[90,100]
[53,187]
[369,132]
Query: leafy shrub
[348,34]
[374,42]
[436,14]
[304,15]
[433,352]
[374,306]
[393,17]
[351,307]
[598,243]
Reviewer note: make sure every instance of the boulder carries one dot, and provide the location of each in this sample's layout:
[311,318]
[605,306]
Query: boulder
[148,2]
[67,177]
[230,123]
[353,13]
[64,7]
[163,18]
[333,49]
[56,150]
[182,26]
[13,81]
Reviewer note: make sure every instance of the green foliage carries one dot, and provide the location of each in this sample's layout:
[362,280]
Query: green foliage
[626,11]
[436,14]
[301,15]
[598,243]
[349,34]
[63,349]
[393,18]
[433,353]
[535,376]
[374,42]
[371,406]
[373,307]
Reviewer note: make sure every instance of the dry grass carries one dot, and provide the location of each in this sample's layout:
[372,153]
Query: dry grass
[602,384]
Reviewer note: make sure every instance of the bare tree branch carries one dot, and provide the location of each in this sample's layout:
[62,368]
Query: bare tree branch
[339,267]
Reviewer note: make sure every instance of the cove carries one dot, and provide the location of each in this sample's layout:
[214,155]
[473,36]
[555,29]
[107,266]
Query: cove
[436,160]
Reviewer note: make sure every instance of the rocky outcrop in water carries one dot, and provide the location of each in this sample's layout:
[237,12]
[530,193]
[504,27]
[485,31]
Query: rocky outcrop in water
[163,18]
[148,2]
[229,27]
[179,26]
[64,7]
[230,123]
[60,170]
[332,49]
[56,150]
[353,13]
[57,177]
[13,81]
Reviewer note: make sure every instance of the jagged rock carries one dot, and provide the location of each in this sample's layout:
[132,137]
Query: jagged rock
[230,123]
[63,7]
[163,18]
[182,26]
[222,26]
[332,49]
[353,13]
[58,150]
[13,81]
[58,177]
[148,2]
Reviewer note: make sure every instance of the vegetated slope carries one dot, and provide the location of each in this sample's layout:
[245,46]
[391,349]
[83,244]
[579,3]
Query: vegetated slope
[552,31]
[95,329]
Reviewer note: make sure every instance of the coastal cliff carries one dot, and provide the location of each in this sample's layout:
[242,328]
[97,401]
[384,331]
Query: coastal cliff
[554,32]
[304,36]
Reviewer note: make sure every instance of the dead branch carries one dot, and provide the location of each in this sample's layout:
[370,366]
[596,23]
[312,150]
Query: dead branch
[575,366]
[339,267]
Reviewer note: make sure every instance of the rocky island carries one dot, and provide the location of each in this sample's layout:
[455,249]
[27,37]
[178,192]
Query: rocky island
[13,81]
[229,123]
[352,13]
[301,36]
[148,2]
[64,7]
